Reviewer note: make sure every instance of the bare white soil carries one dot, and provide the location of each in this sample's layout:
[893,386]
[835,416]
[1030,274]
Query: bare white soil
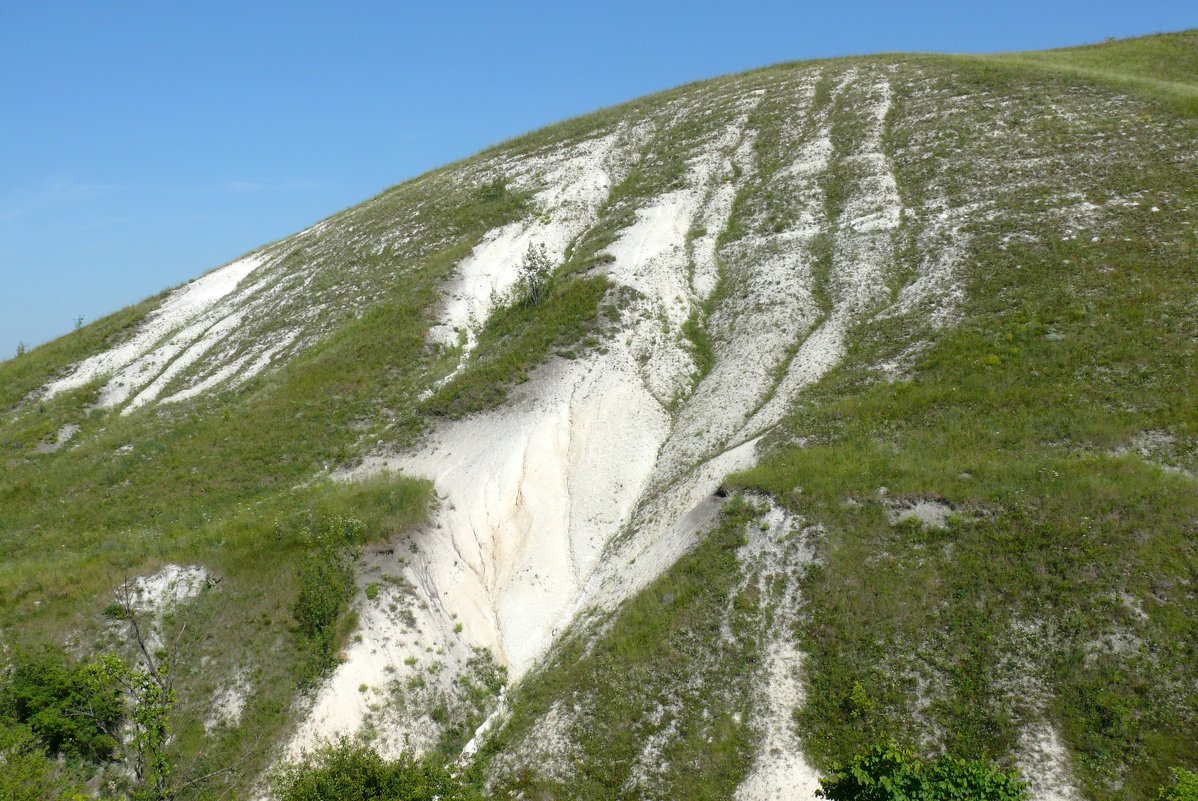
[572,184]
[61,438]
[1044,762]
[168,588]
[775,556]
[931,513]
[596,475]
[182,323]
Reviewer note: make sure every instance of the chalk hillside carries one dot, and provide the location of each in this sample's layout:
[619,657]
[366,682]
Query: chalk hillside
[682,450]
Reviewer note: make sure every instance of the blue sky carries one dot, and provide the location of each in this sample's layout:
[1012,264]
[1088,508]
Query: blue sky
[145,143]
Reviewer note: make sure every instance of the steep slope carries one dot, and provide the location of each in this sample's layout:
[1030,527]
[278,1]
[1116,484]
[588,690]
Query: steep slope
[860,405]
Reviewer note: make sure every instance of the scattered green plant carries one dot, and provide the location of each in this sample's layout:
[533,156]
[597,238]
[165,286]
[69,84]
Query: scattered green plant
[887,773]
[351,771]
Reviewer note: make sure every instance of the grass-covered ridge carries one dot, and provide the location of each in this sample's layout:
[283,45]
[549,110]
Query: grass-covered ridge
[1048,410]
[1163,67]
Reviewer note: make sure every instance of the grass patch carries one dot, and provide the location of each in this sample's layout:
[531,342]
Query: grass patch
[517,338]
[655,651]
[1018,418]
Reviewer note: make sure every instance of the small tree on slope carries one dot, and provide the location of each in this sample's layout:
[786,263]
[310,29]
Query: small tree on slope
[536,274]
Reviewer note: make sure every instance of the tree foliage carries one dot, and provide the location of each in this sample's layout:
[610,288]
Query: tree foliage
[27,774]
[70,709]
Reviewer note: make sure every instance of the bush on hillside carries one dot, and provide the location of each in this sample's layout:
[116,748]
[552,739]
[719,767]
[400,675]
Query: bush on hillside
[351,771]
[536,275]
[326,585]
[1183,788]
[64,704]
[27,774]
[887,773]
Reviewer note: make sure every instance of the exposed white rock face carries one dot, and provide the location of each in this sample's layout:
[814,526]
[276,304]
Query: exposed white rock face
[746,214]
[778,553]
[185,321]
[168,588]
[596,475]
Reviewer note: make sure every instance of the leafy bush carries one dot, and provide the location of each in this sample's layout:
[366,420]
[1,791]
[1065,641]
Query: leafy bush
[887,773]
[1183,788]
[64,704]
[351,771]
[27,773]
[326,585]
[326,582]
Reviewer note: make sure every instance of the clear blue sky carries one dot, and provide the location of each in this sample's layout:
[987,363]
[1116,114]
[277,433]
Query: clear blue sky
[145,143]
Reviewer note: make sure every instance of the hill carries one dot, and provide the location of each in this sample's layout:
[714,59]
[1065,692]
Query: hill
[681,450]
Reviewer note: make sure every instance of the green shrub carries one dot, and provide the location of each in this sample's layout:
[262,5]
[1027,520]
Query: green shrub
[326,585]
[63,704]
[27,774]
[887,773]
[350,771]
[1183,788]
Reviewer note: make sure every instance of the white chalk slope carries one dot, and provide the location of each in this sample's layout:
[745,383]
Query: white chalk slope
[598,472]
[595,477]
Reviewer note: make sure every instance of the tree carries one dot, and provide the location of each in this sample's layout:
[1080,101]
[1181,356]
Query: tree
[27,775]
[68,709]
[536,275]
[149,687]
[888,773]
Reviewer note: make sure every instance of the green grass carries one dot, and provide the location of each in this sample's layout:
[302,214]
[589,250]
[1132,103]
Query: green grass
[1067,350]
[656,650]
[22,375]
[227,482]
[1163,67]
[516,339]
[1061,587]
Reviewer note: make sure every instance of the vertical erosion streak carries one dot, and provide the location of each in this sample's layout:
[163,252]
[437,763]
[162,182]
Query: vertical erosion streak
[861,253]
[762,304]
[777,556]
